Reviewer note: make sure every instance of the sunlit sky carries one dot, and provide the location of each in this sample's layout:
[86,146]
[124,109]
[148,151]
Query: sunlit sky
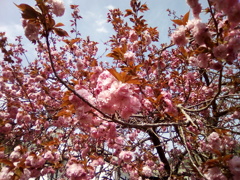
[94,13]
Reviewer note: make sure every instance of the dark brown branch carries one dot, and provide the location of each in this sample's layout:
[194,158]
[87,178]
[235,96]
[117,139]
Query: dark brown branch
[65,84]
[158,145]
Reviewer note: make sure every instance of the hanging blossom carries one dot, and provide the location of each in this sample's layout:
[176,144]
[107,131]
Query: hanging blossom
[133,36]
[199,31]
[216,142]
[234,165]
[82,108]
[179,37]
[195,6]
[147,171]
[113,95]
[58,7]
[230,7]
[76,171]
[6,173]
[126,156]
[214,173]
[31,30]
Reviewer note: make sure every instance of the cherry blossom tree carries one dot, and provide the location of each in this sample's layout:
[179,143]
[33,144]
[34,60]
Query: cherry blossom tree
[163,111]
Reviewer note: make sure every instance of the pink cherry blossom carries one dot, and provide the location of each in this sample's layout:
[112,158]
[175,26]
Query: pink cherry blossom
[196,7]
[203,60]
[200,32]
[234,165]
[58,7]
[6,173]
[15,155]
[144,111]
[126,156]
[215,174]
[220,51]
[76,171]
[147,37]
[49,156]
[179,37]
[214,141]
[129,56]
[147,171]
[34,161]
[31,31]
[133,36]
[116,96]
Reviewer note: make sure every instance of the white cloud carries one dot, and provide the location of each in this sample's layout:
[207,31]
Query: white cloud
[102,30]
[110,7]
[12,30]
[89,15]
[69,2]
[101,22]
[101,25]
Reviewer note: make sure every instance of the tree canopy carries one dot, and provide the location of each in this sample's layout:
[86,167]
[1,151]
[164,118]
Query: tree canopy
[163,111]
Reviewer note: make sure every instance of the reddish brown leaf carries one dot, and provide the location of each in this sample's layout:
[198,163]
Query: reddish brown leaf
[144,8]
[185,18]
[6,162]
[128,12]
[227,157]
[117,54]
[134,81]
[115,74]
[59,25]
[178,22]
[28,12]
[60,32]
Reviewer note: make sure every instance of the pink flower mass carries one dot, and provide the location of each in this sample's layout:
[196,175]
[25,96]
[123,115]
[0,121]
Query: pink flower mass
[58,7]
[76,171]
[115,95]
[179,37]
[126,156]
[234,165]
[131,107]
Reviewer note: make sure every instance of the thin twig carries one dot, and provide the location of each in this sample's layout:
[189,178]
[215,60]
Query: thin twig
[65,84]
[189,153]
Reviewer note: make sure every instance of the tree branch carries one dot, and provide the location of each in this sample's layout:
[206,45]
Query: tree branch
[160,151]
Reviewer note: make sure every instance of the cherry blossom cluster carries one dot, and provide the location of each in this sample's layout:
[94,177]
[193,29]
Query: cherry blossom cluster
[113,95]
[230,8]
[216,143]
[34,164]
[195,6]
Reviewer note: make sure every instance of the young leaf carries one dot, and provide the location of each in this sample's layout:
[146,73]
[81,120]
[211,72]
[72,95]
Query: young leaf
[115,74]
[134,81]
[178,22]
[60,32]
[128,12]
[116,54]
[59,24]
[185,18]
[182,21]
[28,12]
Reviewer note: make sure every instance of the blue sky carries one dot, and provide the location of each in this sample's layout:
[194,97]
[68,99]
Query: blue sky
[94,13]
